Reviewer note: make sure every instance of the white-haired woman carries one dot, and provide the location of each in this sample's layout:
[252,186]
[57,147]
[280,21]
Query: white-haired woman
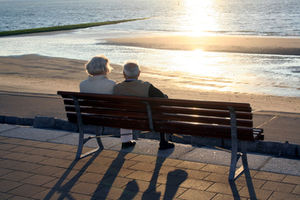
[97,82]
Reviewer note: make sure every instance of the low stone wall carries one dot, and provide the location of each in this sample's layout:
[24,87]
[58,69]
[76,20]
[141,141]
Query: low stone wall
[262,147]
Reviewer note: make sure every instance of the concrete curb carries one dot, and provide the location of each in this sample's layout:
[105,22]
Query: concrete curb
[263,147]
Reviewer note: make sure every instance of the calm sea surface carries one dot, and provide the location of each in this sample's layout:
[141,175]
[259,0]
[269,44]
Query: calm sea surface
[250,73]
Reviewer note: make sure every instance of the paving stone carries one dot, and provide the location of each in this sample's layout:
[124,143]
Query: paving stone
[7,147]
[144,158]
[257,183]
[13,140]
[226,197]
[91,178]
[48,170]
[220,178]
[79,196]
[139,186]
[191,165]
[297,190]
[279,187]
[27,190]
[219,169]
[145,176]
[115,181]
[84,188]
[170,191]
[62,154]
[196,184]
[38,179]
[172,162]
[292,179]
[5,195]
[269,176]
[283,196]
[14,156]
[6,185]
[4,171]
[197,174]
[105,192]
[197,195]
[50,194]
[45,145]
[260,194]
[148,167]
[16,176]
[63,163]
[63,147]
[19,198]
[221,188]
[166,169]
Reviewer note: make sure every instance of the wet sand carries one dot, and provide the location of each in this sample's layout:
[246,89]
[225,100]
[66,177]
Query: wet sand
[47,75]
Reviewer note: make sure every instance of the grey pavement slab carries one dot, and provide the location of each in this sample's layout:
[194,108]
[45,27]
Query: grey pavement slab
[72,139]
[150,147]
[213,156]
[283,129]
[6,127]
[34,134]
[260,119]
[283,165]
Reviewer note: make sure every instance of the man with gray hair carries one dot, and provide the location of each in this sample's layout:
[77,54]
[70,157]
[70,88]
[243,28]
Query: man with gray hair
[134,87]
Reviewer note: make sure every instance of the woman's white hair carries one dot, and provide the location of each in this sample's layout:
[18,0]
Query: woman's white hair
[98,65]
[131,69]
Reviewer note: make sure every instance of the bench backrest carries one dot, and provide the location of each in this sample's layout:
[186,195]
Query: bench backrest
[190,117]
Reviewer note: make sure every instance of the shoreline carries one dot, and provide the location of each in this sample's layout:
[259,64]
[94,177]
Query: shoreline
[47,75]
[215,43]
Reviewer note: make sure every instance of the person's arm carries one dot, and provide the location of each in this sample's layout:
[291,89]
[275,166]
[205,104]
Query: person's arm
[154,92]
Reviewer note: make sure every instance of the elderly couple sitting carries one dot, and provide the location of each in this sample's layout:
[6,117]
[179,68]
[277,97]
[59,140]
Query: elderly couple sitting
[97,82]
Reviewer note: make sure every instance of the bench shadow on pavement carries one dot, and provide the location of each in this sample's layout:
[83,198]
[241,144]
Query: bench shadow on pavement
[62,188]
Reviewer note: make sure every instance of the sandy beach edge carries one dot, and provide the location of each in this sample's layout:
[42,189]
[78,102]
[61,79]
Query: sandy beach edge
[217,43]
[47,75]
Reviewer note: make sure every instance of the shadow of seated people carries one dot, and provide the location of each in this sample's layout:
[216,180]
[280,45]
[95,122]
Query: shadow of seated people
[130,190]
[104,188]
[174,180]
[151,192]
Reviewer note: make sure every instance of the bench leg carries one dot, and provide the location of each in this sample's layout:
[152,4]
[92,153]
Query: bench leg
[235,173]
[83,140]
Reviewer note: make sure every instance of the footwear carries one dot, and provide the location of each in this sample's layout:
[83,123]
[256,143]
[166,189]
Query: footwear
[131,143]
[166,145]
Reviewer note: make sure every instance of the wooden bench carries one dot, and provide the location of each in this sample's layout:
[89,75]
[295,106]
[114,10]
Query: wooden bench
[185,117]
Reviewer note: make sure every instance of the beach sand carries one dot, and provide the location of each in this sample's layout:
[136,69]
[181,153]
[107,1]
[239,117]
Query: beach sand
[47,75]
[233,43]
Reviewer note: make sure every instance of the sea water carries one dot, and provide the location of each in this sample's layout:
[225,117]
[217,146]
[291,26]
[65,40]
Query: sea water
[234,72]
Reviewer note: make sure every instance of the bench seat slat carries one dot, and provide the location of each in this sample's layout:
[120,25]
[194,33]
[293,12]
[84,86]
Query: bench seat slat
[198,111]
[163,126]
[163,116]
[167,109]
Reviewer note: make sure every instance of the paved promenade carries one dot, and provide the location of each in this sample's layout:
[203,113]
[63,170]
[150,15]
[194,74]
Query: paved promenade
[39,164]
[278,127]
